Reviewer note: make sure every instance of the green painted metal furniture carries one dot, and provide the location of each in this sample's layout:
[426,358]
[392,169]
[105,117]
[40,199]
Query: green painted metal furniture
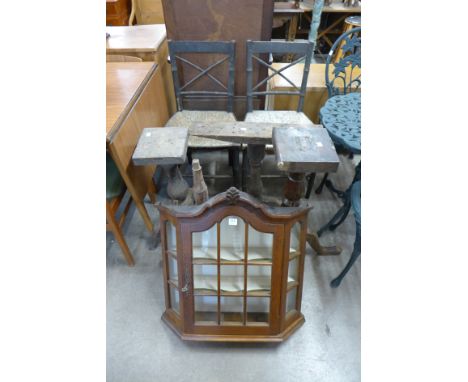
[353,201]
[341,114]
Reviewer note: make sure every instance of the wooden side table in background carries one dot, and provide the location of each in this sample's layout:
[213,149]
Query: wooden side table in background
[133,91]
[149,43]
[117,12]
[316,93]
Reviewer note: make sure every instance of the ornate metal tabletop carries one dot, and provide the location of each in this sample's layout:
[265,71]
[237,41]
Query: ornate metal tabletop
[341,116]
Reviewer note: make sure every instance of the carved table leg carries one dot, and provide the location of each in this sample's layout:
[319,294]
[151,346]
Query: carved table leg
[177,187]
[293,191]
[256,153]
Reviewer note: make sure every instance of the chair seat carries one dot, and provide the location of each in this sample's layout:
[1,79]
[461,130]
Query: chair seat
[341,116]
[185,118]
[114,182]
[277,116]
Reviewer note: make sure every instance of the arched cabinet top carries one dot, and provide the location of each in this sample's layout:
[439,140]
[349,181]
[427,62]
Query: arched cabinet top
[235,198]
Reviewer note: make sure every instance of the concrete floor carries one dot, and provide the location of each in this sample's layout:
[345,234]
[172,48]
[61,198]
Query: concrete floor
[140,347]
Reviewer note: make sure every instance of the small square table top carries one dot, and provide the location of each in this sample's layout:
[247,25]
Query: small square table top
[304,150]
[134,39]
[161,145]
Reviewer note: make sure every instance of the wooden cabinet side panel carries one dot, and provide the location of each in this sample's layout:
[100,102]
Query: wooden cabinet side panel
[150,110]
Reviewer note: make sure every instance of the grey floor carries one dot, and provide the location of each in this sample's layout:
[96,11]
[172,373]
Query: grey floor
[140,347]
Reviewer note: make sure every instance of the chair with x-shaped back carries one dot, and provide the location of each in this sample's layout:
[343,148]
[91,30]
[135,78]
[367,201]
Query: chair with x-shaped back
[198,89]
[255,49]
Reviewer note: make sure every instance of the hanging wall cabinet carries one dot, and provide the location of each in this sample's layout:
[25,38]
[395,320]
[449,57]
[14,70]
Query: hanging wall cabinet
[233,268]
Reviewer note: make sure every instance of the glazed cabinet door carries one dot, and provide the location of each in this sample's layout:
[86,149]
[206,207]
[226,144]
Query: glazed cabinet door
[232,284]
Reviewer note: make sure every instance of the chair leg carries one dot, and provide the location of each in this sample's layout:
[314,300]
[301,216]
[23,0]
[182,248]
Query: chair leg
[322,183]
[245,169]
[118,234]
[189,155]
[335,283]
[310,184]
[234,154]
[231,154]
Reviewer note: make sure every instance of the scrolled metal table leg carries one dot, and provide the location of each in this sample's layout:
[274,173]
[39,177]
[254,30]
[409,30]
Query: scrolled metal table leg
[322,183]
[310,184]
[335,283]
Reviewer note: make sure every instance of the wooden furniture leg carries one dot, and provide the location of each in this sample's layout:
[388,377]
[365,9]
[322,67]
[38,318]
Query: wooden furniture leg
[255,153]
[294,189]
[291,36]
[115,228]
[293,192]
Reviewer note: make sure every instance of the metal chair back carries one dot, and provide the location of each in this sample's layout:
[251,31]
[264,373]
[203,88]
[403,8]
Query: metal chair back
[256,48]
[226,48]
[344,79]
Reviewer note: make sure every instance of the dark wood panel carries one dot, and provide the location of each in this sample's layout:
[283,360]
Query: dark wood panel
[221,20]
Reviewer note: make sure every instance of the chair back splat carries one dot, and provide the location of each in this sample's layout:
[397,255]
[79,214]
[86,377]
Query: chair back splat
[257,48]
[226,48]
[344,79]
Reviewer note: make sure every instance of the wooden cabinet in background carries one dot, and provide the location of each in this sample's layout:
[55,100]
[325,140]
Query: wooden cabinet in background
[118,12]
[221,20]
[233,269]
[149,12]
[147,42]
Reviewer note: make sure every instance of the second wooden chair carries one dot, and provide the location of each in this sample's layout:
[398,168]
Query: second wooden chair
[194,90]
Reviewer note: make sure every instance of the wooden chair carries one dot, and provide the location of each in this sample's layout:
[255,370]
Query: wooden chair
[303,50]
[119,58]
[189,90]
[115,191]
[257,48]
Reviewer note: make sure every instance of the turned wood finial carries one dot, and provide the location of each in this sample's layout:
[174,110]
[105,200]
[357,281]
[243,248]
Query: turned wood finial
[200,190]
[232,195]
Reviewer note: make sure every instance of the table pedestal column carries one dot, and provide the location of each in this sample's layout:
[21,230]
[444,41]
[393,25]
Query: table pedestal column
[293,192]
[294,189]
[255,153]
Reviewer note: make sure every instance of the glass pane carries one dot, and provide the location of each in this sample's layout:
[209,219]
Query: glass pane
[294,242]
[171,237]
[205,279]
[206,310]
[291,300]
[260,245]
[258,309]
[232,309]
[259,280]
[232,279]
[174,294]
[293,270]
[205,244]
[172,263]
[232,238]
